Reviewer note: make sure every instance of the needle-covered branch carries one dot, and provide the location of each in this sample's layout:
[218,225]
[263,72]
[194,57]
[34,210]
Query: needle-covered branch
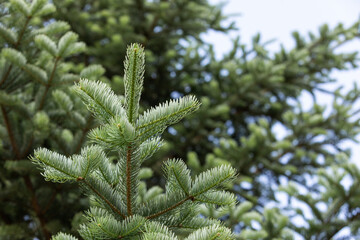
[123,208]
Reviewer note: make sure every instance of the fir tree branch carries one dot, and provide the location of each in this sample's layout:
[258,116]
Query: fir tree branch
[100,100]
[22,32]
[130,231]
[334,208]
[34,76]
[170,208]
[101,196]
[179,181]
[108,232]
[133,78]
[10,133]
[211,233]
[128,180]
[48,85]
[57,162]
[194,105]
[155,120]
[6,75]
[212,178]
[132,89]
[202,183]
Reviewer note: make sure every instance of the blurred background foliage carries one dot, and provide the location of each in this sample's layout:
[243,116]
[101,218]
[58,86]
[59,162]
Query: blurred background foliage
[301,183]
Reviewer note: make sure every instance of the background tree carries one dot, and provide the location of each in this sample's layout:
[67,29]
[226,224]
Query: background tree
[163,27]
[245,96]
[37,109]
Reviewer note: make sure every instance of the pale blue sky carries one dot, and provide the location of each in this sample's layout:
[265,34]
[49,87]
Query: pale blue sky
[276,19]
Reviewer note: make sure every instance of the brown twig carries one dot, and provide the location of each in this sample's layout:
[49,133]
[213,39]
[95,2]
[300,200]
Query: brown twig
[170,208]
[22,31]
[10,133]
[6,75]
[48,85]
[102,197]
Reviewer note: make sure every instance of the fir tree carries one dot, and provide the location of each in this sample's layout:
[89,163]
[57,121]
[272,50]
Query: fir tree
[117,210]
[245,94]
[37,109]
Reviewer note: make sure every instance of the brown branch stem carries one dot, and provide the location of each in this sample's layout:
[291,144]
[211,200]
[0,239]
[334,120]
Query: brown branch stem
[22,32]
[10,133]
[6,75]
[102,197]
[48,85]
[170,208]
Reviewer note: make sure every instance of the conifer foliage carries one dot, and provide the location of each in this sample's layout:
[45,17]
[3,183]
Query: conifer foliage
[37,109]
[118,211]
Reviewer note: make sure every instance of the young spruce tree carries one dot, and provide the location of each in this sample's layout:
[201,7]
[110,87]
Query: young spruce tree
[118,211]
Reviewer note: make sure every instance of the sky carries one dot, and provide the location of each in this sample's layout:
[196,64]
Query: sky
[276,19]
